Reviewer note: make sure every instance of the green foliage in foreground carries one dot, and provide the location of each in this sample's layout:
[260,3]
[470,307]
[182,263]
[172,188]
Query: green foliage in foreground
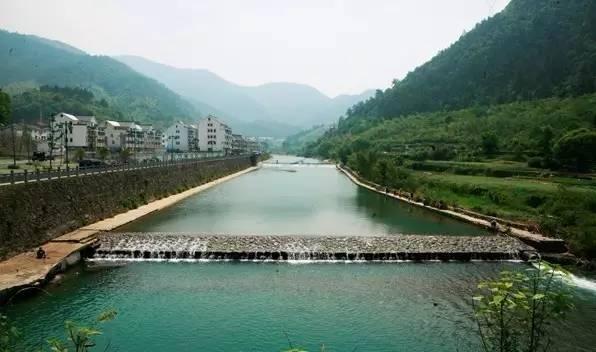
[78,338]
[516,312]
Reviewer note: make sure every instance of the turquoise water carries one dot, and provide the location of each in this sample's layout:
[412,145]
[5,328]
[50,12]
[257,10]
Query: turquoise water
[225,306]
[311,200]
[249,306]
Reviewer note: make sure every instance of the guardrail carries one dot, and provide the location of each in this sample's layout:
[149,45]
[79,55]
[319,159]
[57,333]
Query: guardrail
[57,173]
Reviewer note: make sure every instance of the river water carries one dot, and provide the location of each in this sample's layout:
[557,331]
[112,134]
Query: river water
[315,200]
[228,306]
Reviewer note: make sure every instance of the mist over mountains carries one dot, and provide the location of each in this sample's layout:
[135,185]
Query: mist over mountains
[134,88]
[286,107]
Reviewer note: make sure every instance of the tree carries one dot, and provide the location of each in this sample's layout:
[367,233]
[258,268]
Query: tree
[5,110]
[103,153]
[513,313]
[125,155]
[79,154]
[545,143]
[575,150]
[489,143]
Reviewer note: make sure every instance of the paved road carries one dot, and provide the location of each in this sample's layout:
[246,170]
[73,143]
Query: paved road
[44,175]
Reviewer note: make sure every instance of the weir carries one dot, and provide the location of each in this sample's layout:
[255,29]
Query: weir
[175,246]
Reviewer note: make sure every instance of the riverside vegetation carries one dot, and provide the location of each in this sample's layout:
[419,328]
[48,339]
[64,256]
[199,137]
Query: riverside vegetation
[503,123]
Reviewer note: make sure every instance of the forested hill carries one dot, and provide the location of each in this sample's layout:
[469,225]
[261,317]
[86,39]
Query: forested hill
[29,62]
[532,49]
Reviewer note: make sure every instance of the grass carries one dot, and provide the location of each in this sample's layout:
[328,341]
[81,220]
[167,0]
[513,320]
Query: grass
[521,183]
[557,206]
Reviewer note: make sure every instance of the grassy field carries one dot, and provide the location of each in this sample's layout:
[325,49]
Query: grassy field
[558,206]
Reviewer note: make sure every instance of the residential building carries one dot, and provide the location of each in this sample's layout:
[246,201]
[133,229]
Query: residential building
[253,145]
[122,135]
[239,144]
[214,135]
[62,133]
[86,126]
[152,138]
[133,138]
[181,137]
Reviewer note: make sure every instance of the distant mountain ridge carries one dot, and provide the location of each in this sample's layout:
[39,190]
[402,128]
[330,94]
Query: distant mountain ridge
[292,104]
[30,61]
[145,91]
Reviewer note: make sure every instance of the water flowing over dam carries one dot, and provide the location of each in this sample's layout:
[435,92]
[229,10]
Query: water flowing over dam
[176,246]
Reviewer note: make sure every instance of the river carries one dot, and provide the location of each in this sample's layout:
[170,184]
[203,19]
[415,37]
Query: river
[230,306]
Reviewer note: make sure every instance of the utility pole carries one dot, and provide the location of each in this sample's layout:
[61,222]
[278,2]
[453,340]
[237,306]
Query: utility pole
[67,128]
[14,146]
[51,139]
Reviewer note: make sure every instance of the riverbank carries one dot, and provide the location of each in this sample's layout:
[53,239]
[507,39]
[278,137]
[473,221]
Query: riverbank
[25,270]
[541,243]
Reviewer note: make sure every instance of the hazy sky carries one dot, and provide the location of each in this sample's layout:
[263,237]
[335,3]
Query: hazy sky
[337,46]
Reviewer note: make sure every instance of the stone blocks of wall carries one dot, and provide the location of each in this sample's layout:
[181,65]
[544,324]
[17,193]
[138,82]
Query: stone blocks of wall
[33,213]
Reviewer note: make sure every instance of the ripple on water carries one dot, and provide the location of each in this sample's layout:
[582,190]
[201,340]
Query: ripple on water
[219,306]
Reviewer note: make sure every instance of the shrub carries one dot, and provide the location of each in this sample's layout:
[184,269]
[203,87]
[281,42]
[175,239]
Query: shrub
[536,162]
[575,150]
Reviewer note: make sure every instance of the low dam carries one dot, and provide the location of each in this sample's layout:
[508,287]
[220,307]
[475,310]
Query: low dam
[173,246]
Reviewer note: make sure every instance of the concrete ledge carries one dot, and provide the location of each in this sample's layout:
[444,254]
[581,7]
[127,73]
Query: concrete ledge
[26,270]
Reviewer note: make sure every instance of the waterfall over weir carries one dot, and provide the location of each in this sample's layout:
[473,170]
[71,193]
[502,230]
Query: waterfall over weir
[184,246]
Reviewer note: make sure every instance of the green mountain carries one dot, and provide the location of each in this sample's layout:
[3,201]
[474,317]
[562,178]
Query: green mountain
[30,61]
[34,105]
[532,49]
[283,104]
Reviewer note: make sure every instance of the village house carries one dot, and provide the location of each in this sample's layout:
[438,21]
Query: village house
[122,135]
[181,137]
[214,135]
[239,144]
[152,139]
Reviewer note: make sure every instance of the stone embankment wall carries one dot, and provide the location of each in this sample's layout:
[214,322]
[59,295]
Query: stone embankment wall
[33,213]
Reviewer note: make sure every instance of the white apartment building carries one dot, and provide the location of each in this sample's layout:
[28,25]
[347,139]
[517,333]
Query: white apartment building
[76,132]
[181,137]
[121,135]
[152,138]
[214,135]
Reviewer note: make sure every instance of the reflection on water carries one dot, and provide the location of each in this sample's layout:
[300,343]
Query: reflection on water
[312,200]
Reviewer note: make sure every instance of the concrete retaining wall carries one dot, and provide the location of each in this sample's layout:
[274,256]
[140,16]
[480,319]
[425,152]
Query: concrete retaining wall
[33,213]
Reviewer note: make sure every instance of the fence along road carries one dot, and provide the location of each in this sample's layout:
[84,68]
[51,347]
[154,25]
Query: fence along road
[38,175]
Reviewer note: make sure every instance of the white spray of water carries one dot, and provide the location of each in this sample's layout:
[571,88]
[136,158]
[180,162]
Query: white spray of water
[577,281]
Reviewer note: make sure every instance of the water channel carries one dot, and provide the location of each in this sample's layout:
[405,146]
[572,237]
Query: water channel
[230,306]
